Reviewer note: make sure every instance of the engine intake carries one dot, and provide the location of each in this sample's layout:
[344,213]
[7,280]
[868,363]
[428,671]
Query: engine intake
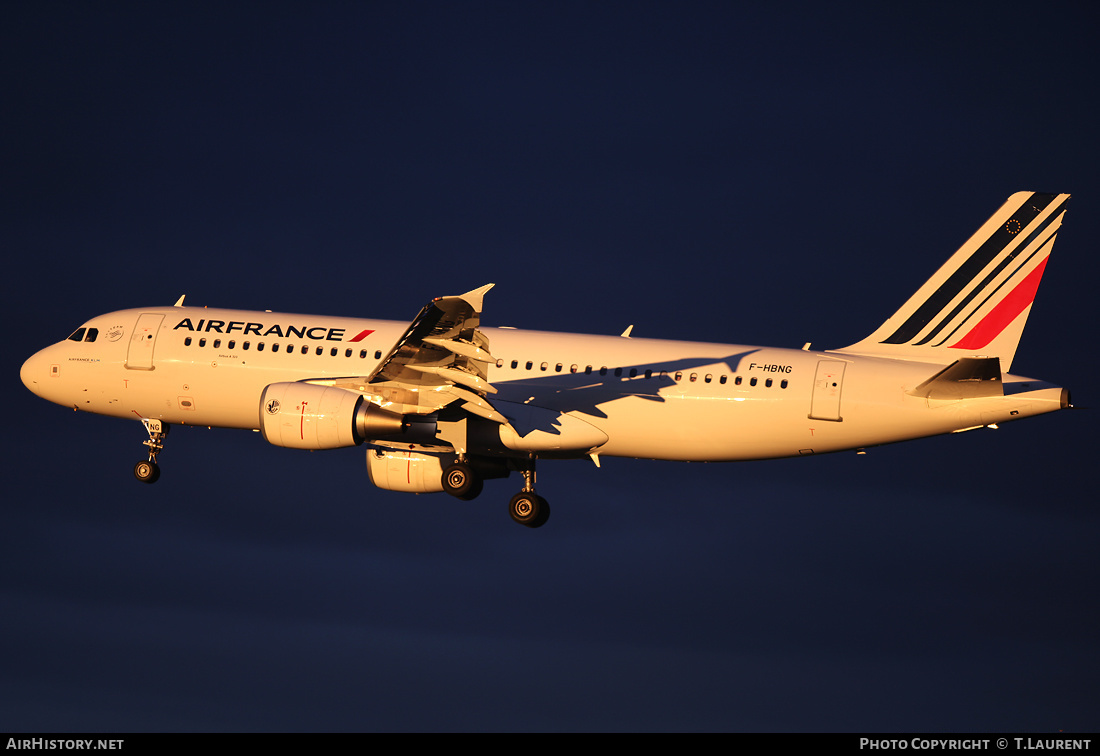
[308,416]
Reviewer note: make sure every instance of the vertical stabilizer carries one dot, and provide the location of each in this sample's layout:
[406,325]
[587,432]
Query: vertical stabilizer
[976,305]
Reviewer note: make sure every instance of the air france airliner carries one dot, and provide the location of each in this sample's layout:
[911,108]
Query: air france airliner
[444,403]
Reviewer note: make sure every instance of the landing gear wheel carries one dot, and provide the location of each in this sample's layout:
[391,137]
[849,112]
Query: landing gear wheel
[460,480]
[474,492]
[529,509]
[147,471]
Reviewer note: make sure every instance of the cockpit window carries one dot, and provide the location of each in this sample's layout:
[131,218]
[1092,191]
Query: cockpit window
[84,334]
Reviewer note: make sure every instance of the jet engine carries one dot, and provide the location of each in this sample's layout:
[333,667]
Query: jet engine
[308,416]
[412,470]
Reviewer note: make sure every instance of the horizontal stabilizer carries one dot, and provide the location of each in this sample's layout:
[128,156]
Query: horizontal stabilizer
[968,378]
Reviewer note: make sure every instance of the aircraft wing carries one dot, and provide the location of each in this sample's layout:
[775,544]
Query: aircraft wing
[441,359]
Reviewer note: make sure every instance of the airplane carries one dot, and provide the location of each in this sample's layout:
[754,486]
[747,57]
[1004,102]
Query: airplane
[444,403]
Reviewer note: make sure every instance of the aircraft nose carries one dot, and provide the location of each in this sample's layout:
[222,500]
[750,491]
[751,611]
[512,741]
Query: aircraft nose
[32,373]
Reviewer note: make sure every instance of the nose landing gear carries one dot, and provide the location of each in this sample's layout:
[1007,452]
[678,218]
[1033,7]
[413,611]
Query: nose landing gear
[148,471]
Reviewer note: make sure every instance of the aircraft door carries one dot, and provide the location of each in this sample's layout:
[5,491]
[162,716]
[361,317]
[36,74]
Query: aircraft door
[139,356]
[828,382]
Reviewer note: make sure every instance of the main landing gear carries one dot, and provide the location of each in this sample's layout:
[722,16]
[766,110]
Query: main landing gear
[462,481]
[148,471]
[527,508]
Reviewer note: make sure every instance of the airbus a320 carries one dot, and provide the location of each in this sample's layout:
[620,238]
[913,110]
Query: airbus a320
[444,403]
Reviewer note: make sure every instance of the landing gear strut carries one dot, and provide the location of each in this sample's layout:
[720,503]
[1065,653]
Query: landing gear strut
[148,471]
[527,507]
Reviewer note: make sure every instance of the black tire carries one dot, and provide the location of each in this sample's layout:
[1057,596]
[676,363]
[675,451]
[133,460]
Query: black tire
[474,492]
[529,509]
[147,471]
[460,480]
[544,514]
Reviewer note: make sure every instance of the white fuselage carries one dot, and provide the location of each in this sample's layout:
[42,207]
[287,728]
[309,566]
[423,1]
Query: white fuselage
[653,399]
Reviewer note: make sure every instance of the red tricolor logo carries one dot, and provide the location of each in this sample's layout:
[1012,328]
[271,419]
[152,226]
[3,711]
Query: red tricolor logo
[1004,313]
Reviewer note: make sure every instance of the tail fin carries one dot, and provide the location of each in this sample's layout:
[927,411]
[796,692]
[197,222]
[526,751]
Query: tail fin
[976,305]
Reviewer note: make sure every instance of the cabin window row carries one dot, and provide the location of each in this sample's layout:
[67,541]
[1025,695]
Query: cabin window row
[289,349]
[634,373]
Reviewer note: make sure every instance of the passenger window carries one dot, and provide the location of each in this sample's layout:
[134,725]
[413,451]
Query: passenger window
[557,369]
[543,367]
[678,376]
[633,372]
[572,368]
[707,378]
[722,380]
[603,371]
[305,349]
[217,343]
[768,383]
[332,352]
[320,351]
[232,344]
[783,383]
[515,364]
[202,342]
[187,341]
[378,355]
[363,355]
[618,372]
[752,381]
[347,353]
[530,364]
[588,370]
[259,346]
[274,347]
[246,345]
[649,374]
[737,381]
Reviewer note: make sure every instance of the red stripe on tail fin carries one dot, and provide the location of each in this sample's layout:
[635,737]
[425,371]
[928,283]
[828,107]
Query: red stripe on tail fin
[1007,310]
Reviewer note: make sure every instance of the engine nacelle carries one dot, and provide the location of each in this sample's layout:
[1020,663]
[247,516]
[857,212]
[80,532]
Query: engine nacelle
[308,416]
[412,471]
[418,470]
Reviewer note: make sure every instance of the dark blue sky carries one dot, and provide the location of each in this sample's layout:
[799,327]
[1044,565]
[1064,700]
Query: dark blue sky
[705,171]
